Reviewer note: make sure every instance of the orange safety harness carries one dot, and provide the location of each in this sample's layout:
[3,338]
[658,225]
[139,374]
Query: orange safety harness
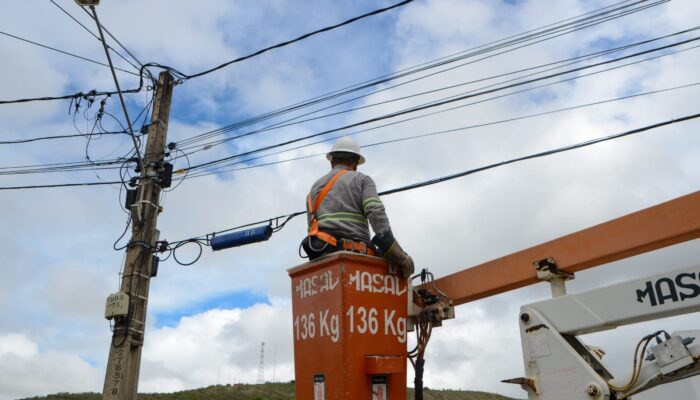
[326,237]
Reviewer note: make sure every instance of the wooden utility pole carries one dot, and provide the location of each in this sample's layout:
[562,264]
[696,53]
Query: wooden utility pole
[122,376]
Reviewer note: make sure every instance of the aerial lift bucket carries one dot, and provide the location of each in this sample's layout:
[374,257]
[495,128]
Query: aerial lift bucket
[349,315]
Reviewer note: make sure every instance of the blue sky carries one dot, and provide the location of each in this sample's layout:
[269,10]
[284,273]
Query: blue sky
[58,262]
[241,299]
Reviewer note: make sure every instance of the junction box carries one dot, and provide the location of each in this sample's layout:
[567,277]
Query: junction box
[349,327]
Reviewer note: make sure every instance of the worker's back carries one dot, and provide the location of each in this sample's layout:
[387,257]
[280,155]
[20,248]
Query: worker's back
[348,205]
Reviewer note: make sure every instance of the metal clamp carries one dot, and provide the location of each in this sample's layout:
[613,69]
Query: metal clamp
[547,270]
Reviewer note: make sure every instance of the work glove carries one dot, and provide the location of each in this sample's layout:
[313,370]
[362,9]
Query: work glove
[396,255]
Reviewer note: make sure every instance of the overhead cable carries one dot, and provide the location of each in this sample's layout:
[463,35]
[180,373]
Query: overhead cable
[541,154]
[35,139]
[437,104]
[119,91]
[431,181]
[64,52]
[430,134]
[44,168]
[302,37]
[113,37]
[446,178]
[582,23]
[91,33]
[181,75]
[560,64]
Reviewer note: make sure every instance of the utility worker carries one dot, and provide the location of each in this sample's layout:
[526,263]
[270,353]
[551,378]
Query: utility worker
[341,204]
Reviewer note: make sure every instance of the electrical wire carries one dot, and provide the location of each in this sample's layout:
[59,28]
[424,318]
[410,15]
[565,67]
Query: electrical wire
[36,139]
[561,64]
[103,164]
[356,88]
[58,170]
[601,11]
[119,91]
[64,52]
[106,164]
[425,183]
[71,96]
[300,38]
[473,171]
[429,134]
[573,26]
[437,104]
[91,33]
[113,38]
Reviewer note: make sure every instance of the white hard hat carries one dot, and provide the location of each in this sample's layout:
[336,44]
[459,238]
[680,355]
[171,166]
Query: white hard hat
[346,144]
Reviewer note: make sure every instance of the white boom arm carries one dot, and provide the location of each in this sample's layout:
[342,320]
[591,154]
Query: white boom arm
[559,366]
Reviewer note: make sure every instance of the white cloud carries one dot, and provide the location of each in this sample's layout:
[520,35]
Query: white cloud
[25,371]
[218,347]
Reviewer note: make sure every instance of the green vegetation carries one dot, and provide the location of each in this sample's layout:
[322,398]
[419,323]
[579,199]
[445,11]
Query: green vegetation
[268,391]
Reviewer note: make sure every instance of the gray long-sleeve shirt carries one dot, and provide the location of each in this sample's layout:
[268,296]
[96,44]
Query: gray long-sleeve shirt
[349,205]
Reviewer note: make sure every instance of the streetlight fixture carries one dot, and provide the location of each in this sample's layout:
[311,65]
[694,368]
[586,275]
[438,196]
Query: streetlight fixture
[86,3]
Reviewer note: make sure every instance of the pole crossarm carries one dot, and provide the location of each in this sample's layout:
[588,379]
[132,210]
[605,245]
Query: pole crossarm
[662,225]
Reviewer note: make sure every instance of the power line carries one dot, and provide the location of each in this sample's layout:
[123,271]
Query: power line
[437,104]
[428,182]
[72,166]
[63,52]
[579,24]
[59,185]
[302,37]
[36,139]
[469,172]
[91,33]
[561,64]
[423,135]
[143,67]
[119,91]
[80,166]
[354,87]
[73,96]
[541,154]
[375,82]
[113,37]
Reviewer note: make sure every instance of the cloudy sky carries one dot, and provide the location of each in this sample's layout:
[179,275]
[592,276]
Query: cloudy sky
[206,321]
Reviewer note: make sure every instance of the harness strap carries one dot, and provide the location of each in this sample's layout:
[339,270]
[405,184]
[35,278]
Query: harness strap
[313,227]
[358,247]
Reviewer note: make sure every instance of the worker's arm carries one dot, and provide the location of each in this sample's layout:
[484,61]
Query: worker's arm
[373,207]
[384,239]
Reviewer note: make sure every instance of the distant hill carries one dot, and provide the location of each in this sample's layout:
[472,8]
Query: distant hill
[268,391]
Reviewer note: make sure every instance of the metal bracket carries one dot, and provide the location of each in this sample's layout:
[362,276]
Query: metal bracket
[547,270]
